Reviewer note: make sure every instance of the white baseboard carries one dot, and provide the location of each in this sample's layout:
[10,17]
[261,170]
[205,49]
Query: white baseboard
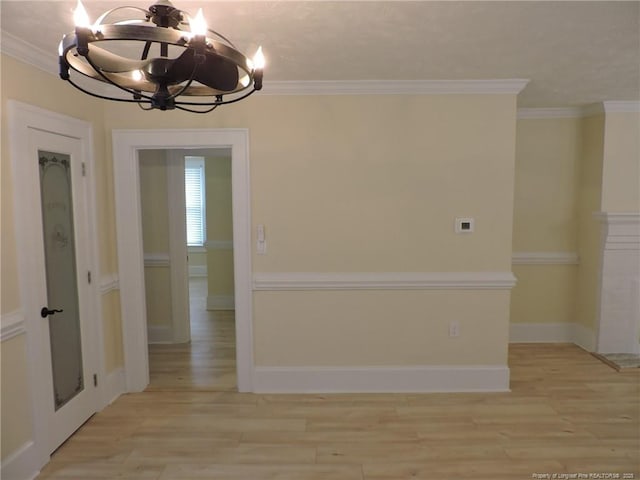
[159,334]
[541,333]
[410,379]
[552,333]
[114,385]
[21,464]
[197,270]
[221,302]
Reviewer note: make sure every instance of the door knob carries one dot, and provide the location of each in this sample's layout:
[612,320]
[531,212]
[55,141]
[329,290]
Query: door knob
[45,312]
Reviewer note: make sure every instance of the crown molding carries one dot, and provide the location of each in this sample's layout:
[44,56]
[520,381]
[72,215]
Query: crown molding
[621,107]
[394,87]
[618,218]
[26,53]
[593,109]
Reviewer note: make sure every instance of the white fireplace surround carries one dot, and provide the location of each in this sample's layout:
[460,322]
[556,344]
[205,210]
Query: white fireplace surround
[619,310]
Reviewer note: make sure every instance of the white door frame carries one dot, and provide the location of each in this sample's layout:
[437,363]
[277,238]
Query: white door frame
[126,144]
[23,119]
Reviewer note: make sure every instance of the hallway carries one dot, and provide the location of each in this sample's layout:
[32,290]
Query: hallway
[208,363]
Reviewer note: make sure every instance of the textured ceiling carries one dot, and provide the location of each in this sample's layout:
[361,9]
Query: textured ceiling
[574,53]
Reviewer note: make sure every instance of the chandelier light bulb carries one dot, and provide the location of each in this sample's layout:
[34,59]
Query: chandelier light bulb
[136,75]
[81,17]
[199,24]
[258,59]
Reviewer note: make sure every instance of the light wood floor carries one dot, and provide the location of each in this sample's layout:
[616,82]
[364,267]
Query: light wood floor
[567,413]
[209,361]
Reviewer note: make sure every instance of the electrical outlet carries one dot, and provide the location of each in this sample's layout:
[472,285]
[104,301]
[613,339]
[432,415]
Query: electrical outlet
[454,328]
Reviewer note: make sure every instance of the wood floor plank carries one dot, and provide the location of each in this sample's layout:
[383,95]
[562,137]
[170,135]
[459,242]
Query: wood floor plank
[243,454]
[262,472]
[475,469]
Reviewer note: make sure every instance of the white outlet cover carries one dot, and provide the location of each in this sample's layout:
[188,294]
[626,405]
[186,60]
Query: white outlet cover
[464,225]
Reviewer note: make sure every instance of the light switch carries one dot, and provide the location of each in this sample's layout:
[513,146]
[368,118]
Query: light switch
[261,241]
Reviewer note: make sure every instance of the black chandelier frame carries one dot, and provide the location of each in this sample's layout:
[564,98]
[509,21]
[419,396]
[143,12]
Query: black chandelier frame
[163,81]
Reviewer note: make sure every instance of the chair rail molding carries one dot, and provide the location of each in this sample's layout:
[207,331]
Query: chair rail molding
[11,325]
[109,283]
[157,259]
[545,258]
[383,281]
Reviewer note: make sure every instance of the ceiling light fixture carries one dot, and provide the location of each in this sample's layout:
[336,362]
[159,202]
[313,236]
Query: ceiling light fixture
[192,72]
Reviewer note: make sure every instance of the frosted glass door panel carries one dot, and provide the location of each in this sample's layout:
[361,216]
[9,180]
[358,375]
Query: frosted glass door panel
[60,265]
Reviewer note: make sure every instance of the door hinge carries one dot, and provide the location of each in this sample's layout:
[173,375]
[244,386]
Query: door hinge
[84,169]
[89,276]
[95,380]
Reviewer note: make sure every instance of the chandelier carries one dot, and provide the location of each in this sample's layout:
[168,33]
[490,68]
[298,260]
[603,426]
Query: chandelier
[196,69]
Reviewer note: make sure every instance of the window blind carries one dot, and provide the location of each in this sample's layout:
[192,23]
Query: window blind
[195,200]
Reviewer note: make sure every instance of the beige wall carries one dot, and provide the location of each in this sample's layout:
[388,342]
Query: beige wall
[380,328]
[621,160]
[219,229]
[589,228]
[322,178]
[544,294]
[112,331]
[197,258]
[154,201]
[371,184]
[17,424]
[345,186]
[545,205]
[547,160]
[567,170]
[155,234]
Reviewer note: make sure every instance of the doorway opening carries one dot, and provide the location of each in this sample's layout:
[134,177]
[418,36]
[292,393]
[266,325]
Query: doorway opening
[186,205]
[127,144]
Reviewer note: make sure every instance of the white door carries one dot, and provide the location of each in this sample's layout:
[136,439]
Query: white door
[59,277]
